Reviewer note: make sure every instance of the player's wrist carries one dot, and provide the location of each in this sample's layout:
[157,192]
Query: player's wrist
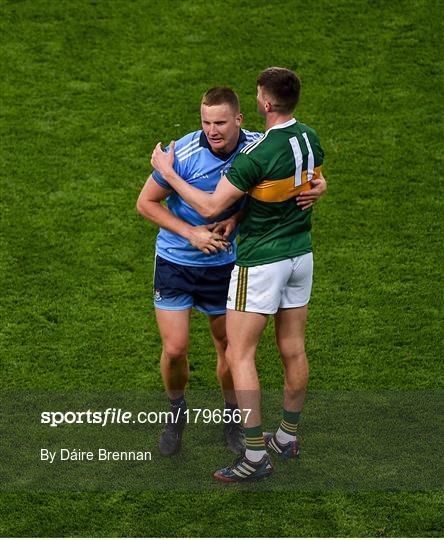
[187,232]
[169,175]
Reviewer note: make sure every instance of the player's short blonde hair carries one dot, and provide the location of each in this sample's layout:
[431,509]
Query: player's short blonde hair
[219,95]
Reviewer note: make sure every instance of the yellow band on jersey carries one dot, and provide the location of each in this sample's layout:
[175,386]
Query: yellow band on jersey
[283,189]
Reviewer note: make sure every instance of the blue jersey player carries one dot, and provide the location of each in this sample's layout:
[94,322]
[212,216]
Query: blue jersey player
[193,258]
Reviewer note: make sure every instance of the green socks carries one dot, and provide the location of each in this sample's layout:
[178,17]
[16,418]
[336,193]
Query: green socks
[287,430]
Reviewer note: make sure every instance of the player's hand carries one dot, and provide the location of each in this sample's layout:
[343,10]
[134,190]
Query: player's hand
[306,199]
[163,161]
[204,238]
[225,227]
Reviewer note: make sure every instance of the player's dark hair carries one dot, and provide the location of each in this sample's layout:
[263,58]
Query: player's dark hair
[282,86]
[219,95]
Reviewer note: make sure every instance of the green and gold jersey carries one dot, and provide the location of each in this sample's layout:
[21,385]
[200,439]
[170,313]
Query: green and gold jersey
[273,170]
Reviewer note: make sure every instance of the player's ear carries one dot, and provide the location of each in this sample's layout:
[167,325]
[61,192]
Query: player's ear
[239,119]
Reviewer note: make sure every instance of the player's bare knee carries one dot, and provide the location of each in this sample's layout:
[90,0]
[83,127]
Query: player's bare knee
[174,355]
[240,359]
[233,357]
[291,357]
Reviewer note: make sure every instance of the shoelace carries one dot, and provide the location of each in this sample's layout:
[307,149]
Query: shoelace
[238,461]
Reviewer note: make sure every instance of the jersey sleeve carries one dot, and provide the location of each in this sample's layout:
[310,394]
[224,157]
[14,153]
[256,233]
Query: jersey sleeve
[245,172]
[159,179]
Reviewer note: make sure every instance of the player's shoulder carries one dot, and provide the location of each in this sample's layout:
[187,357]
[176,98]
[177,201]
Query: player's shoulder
[260,147]
[251,141]
[251,136]
[304,128]
[187,145]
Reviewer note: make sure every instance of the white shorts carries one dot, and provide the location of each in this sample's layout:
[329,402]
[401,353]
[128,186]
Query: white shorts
[269,287]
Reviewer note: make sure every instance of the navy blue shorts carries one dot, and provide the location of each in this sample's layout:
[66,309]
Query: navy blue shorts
[178,287]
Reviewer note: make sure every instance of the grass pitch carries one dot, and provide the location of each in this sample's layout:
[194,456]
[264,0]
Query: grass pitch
[87,89]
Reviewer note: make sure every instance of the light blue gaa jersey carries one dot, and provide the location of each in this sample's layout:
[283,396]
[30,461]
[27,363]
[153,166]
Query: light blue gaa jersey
[199,166]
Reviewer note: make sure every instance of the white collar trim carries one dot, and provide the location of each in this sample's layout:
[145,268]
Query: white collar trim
[284,125]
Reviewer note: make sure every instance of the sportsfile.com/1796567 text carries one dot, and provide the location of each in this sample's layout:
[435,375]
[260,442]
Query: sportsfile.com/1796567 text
[118,416]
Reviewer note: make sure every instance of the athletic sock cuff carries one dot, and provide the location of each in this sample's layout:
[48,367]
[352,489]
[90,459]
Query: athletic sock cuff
[254,438]
[290,416]
[289,422]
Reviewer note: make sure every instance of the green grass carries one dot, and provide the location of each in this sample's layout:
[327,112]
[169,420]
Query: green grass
[87,89]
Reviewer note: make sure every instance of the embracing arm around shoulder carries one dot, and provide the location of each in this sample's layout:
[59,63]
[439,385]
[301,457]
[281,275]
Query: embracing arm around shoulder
[209,205]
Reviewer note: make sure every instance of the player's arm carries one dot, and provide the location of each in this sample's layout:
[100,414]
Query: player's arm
[306,199]
[150,207]
[209,205]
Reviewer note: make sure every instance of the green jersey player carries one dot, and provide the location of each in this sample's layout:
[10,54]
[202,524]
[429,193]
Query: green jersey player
[273,272]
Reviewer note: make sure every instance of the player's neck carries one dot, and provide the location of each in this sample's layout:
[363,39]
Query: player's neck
[229,149]
[273,119]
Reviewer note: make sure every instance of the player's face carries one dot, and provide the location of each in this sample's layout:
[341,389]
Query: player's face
[221,126]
